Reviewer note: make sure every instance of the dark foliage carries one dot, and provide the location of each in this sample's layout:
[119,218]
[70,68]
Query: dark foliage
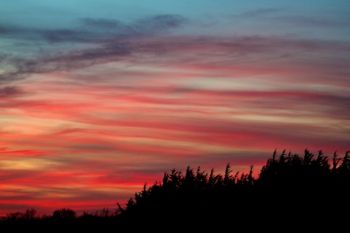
[64,214]
[292,191]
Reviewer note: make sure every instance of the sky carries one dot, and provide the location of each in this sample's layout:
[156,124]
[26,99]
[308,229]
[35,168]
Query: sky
[99,97]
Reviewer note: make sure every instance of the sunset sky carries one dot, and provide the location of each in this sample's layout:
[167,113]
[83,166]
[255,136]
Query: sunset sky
[98,97]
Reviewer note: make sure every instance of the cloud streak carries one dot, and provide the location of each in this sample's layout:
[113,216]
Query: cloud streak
[236,50]
[91,111]
[91,30]
[9,92]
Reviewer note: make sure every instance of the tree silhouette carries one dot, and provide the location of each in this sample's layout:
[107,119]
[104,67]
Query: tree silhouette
[309,191]
[289,185]
[64,214]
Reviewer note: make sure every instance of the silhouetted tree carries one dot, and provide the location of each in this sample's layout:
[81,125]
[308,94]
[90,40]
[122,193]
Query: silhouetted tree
[286,184]
[64,214]
[307,190]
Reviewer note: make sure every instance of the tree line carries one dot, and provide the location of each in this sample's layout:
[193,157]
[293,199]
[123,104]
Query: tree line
[295,190]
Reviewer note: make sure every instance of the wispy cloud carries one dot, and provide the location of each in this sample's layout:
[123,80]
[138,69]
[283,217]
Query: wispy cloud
[105,104]
[10,91]
[91,30]
[110,39]
[177,50]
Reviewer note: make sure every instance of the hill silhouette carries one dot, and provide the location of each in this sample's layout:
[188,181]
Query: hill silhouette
[292,192]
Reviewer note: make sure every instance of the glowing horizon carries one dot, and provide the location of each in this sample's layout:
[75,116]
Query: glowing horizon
[99,97]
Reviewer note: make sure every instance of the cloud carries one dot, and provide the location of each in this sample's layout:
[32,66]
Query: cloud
[109,39]
[145,40]
[10,91]
[96,30]
[67,35]
[151,24]
[159,23]
[166,100]
[3,30]
[181,49]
